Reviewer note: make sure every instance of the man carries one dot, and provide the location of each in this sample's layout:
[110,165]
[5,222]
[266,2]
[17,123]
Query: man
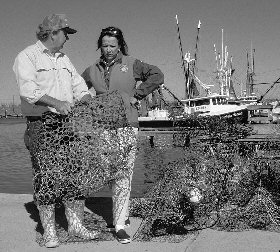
[48,82]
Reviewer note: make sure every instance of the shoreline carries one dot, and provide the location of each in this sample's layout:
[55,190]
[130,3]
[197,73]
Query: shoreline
[12,120]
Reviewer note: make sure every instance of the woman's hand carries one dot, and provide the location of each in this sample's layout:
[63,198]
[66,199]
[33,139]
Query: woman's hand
[134,102]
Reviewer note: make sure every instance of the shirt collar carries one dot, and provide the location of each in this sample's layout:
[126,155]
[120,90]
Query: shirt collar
[41,47]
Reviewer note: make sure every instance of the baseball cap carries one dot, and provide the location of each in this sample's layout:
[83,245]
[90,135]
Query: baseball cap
[56,22]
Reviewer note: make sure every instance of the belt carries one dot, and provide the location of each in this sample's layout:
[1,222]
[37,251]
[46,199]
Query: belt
[33,118]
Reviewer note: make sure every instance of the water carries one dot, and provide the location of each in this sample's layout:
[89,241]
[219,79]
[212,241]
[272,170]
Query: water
[16,171]
[15,164]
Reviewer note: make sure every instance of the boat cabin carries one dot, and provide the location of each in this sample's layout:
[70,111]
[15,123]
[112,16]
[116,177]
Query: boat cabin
[204,104]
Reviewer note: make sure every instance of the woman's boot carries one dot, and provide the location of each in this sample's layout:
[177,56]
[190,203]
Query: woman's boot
[47,216]
[74,211]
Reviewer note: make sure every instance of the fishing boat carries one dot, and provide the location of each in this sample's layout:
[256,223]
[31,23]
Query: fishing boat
[154,112]
[212,105]
[249,97]
[223,103]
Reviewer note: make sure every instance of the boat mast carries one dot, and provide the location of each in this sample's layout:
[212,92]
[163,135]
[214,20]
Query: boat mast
[196,48]
[192,69]
[194,64]
[13,104]
[222,49]
[189,65]
[250,74]
[224,68]
[253,70]
[182,58]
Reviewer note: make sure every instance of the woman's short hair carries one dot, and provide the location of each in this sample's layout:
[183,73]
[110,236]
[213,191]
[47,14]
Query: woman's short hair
[113,31]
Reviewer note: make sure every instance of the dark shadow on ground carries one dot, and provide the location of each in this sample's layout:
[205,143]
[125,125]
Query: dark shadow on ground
[101,208]
[60,217]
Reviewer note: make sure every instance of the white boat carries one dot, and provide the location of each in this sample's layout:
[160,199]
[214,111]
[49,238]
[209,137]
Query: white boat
[213,105]
[155,114]
[159,116]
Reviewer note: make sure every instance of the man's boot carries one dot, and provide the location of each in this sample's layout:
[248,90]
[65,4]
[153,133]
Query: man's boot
[47,216]
[74,211]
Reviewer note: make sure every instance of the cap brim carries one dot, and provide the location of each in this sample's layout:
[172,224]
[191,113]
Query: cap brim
[69,30]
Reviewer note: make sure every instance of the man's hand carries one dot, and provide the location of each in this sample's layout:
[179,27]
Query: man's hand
[63,107]
[135,103]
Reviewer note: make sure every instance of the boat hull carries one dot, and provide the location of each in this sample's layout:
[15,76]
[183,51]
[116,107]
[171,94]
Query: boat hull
[240,115]
[156,123]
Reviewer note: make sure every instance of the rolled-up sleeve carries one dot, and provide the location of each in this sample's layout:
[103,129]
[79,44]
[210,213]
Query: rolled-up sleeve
[26,78]
[151,77]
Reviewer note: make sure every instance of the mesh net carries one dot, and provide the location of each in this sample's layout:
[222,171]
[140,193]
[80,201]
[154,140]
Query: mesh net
[74,156]
[217,182]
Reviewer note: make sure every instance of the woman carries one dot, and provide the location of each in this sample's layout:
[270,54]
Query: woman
[116,70]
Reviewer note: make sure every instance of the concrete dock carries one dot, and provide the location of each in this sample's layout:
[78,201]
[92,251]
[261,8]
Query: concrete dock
[17,233]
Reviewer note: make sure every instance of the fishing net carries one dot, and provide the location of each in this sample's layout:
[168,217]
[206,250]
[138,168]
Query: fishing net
[76,155]
[218,182]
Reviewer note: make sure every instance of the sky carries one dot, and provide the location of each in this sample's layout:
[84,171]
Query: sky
[150,30]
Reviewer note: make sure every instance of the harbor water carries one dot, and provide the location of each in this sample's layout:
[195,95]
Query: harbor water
[16,171]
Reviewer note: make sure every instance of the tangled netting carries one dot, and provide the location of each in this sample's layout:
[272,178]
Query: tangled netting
[76,155]
[219,181]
